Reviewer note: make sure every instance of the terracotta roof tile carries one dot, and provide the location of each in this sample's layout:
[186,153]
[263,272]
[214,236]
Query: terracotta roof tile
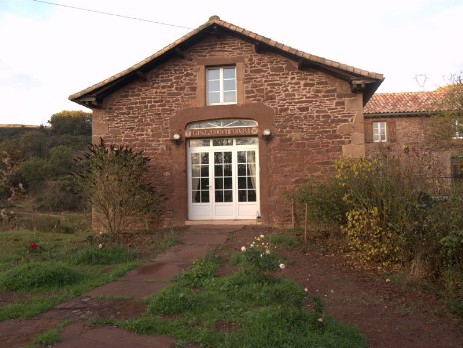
[403,103]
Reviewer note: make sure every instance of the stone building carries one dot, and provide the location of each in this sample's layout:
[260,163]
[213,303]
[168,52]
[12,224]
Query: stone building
[399,126]
[232,121]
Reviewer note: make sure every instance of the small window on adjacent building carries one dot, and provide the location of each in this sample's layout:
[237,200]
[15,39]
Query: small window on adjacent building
[379,132]
[221,85]
[457,129]
[457,167]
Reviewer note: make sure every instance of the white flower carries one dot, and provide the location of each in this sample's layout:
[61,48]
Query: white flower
[267,252]
[262,236]
[100,246]
[320,320]
[243,248]
[306,290]
[282,266]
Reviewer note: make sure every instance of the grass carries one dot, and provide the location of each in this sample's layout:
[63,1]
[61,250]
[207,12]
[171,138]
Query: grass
[47,338]
[59,267]
[245,309]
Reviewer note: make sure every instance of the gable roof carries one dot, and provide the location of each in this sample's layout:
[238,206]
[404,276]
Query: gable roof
[403,104]
[361,80]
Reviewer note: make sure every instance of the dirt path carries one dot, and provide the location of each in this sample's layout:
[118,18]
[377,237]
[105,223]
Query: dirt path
[387,315]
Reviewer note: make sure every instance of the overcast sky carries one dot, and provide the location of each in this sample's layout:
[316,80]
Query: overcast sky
[49,52]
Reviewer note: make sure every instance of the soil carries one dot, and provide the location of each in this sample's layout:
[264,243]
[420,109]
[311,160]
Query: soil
[386,312]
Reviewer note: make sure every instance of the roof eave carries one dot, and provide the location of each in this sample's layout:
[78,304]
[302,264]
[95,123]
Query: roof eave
[102,89]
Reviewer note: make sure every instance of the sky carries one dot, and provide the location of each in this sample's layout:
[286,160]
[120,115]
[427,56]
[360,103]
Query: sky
[48,52]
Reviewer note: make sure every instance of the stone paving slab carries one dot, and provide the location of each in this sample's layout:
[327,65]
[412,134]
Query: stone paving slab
[183,254]
[132,289]
[111,337]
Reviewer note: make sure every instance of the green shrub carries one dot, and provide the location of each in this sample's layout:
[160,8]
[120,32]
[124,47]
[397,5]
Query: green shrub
[34,276]
[202,270]
[94,255]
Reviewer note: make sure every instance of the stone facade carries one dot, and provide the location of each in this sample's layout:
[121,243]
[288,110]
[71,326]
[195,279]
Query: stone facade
[315,117]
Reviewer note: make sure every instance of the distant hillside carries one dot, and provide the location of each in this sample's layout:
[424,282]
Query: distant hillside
[13,130]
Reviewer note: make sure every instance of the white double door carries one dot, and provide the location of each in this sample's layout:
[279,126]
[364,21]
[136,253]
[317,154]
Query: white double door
[223,179]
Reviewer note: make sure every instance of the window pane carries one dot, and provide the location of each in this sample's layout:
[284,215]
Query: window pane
[229,73]
[213,74]
[195,158]
[229,97]
[227,183]
[229,85]
[196,197]
[218,157]
[241,169]
[227,170]
[246,141]
[242,197]
[199,143]
[251,157]
[205,171]
[218,170]
[241,156]
[227,158]
[228,196]
[213,86]
[241,182]
[205,196]
[218,184]
[213,98]
[219,196]
[195,170]
[205,184]
[251,195]
[204,158]
[222,142]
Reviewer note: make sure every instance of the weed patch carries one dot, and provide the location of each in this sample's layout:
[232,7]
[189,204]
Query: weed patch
[36,276]
[103,256]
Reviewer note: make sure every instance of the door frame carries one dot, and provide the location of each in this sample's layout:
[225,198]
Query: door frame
[239,210]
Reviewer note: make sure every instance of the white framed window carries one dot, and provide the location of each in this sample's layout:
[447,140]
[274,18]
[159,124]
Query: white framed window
[221,85]
[379,132]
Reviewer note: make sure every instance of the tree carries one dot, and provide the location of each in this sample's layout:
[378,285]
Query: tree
[71,122]
[113,179]
[447,120]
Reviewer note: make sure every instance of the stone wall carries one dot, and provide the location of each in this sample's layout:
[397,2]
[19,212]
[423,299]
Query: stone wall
[412,146]
[314,118]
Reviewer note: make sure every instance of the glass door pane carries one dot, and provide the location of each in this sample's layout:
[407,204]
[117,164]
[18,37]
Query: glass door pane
[247,176]
[200,177]
[223,180]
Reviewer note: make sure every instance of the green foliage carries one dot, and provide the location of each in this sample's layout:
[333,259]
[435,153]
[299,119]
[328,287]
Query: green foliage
[39,276]
[106,255]
[241,310]
[47,338]
[71,122]
[202,270]
[323,198]
[60,195]
[283,241]
[113,178]
[34,144]
[258,258]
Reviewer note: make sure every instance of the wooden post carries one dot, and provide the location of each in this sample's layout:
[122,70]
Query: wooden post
[305,224]
[292,213]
